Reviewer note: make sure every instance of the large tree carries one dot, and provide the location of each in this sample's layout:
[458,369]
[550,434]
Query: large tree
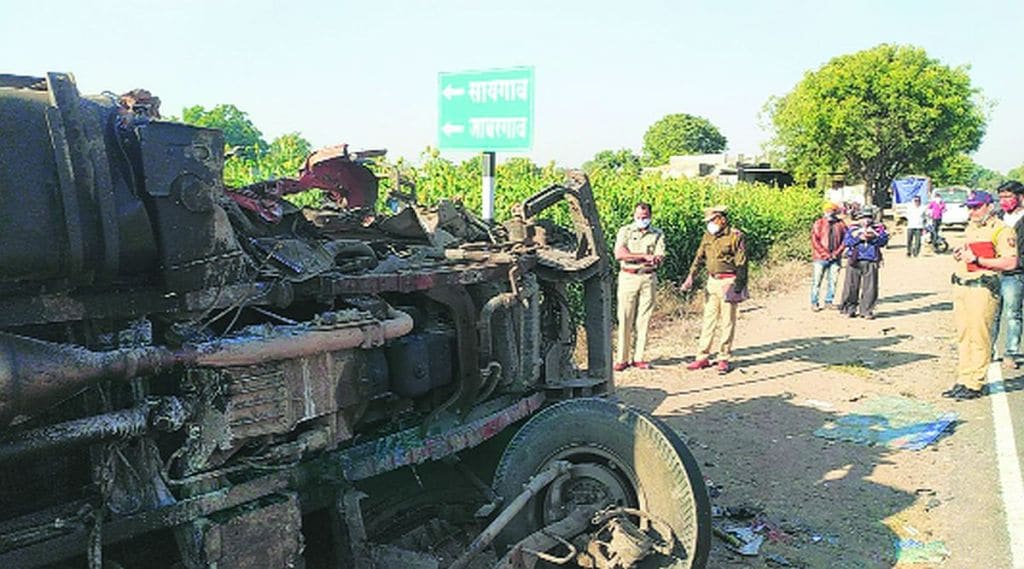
[614,161]
[251,159]
[239,131]
[877,114]
[681,133]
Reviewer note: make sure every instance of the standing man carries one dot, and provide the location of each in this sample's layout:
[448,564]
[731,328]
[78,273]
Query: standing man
[916,213]
[936,208]
[827,250]
[864,241]
[1011,282]
[640,250]
[723,251]
[990,249]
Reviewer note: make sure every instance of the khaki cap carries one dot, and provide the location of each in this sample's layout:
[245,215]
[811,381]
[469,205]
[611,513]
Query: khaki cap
[711,212]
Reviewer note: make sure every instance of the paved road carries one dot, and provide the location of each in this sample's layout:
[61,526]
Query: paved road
[842,504]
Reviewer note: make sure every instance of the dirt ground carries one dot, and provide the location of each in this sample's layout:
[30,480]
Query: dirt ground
[834,504]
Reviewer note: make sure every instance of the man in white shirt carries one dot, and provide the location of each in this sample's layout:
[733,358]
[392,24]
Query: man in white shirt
[915,226]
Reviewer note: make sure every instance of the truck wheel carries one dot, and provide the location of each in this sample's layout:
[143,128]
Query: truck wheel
[619,454]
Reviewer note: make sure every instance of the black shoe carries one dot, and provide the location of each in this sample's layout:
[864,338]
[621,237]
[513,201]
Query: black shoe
[961,392]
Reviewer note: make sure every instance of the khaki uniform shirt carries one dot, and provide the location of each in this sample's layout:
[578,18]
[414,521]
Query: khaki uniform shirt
[993,231]
[725,252]
[650,241]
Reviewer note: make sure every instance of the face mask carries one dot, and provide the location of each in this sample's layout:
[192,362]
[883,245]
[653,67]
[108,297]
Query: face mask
[713,228]
[642,223]
[1009,204]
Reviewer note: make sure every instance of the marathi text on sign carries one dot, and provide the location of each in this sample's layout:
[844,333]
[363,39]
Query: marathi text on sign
[507,128]
[499,90]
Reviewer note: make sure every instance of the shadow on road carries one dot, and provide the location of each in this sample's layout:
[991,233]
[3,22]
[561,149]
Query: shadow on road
[905,297]
[933,307]
[832,350]
[826,351]
[818,493]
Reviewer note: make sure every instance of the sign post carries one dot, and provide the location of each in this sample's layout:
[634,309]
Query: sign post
[487,111]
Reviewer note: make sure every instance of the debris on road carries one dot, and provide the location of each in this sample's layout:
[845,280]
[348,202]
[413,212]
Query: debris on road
[913,551]
[894,422]
[742,540]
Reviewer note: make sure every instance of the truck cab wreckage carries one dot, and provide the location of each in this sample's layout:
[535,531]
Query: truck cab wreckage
[194,376]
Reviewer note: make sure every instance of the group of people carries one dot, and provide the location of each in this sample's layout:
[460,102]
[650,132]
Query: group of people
[858,245]
[988,281]
[640,250]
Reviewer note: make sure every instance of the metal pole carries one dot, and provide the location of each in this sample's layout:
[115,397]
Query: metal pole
[530,489]
[488,187]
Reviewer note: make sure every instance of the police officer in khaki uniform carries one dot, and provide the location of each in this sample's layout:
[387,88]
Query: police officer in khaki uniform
[723,250]
[990,248]
[640,250]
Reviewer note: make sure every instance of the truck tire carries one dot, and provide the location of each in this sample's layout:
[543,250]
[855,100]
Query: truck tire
[618,453]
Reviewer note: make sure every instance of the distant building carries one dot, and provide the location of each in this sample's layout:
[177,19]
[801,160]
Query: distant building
[724,168]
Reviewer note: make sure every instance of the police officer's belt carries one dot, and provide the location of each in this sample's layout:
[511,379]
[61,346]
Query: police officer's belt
[990,282]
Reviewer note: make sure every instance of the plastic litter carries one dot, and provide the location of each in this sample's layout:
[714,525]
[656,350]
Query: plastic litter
[741,540]
[914,551]
[895,422]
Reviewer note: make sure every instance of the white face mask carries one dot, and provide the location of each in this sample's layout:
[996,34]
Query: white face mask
[642,223]
[713,228]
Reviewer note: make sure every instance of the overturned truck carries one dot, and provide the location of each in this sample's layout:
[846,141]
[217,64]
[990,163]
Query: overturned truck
[194,376]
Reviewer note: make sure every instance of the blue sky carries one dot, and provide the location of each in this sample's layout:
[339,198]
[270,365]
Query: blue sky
[366,72]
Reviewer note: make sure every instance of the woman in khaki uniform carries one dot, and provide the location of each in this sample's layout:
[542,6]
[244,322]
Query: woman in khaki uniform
[991,248]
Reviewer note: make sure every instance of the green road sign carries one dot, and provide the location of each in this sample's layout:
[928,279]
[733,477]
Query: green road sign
[486,110]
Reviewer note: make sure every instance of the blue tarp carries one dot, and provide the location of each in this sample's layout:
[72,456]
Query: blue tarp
[894,422]
[904,189]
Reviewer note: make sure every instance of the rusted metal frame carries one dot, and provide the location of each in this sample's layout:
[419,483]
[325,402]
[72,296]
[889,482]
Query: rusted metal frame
[40,309]
[527,551]
[356,463]
[74,543]
[352,548]
[540,481]
[66,185]
[127,423]
[597,283]
[408,281]
[409,447]
[104,193]
[63,132]
[35,373]
[88,158]
[463,313]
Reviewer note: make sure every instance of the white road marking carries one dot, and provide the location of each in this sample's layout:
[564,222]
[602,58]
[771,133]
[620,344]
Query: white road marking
[1010,480]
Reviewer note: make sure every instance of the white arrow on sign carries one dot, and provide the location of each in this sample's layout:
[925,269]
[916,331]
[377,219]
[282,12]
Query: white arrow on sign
[450,92]
[449,129]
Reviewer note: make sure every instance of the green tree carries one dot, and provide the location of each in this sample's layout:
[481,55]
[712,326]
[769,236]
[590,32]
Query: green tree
[877,114]
[985,179]
[681,133]
[1016,173]
[623,160]
[239,131]
[285,156]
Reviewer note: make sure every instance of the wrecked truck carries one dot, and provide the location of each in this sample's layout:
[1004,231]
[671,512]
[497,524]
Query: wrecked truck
[194,376]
